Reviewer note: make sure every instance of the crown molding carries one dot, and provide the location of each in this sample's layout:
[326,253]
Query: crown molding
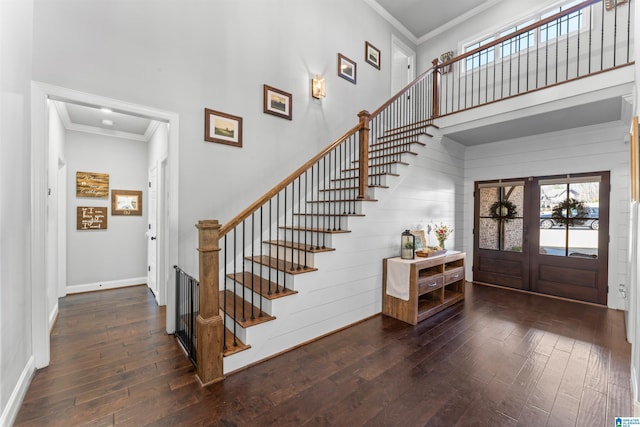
[457,21]
[392,20]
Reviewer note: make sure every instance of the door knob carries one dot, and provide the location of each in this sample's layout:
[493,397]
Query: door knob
[153,237]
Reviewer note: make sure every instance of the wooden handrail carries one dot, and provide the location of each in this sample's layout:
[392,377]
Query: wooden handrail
[400,93]
[285,182]
[519,32]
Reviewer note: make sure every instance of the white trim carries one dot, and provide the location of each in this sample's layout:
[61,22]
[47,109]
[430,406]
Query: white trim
[52,317]
[41,92]
[151,129]
[101,286]
[392,20]
[12,407]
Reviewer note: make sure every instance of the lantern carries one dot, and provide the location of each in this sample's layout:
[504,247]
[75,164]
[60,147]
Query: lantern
[407,245]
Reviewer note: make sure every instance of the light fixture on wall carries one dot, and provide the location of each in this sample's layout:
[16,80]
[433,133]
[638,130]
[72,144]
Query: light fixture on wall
[318,88]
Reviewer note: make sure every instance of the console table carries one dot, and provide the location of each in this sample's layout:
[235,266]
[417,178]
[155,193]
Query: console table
[415,289]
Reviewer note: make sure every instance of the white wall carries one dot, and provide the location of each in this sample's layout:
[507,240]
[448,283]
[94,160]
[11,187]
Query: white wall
[218,55]
[16,363]
[587,149]
[116,256]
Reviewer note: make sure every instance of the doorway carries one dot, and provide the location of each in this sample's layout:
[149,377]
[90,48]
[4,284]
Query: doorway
[42,94]
[544,234]
[402,65]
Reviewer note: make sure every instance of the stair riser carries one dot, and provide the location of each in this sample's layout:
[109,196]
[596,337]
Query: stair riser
[377,180]
[333,207]
[392,168]
[312,237]
[339,193]
[295,255]
[313,221]
[275,276]
[389,155]
[238,289]
[241,333]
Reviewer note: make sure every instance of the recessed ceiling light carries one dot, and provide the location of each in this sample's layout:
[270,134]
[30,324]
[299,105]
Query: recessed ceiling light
[107,122]
[106,110]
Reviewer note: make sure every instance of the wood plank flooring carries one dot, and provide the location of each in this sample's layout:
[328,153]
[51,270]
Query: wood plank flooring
[500,358]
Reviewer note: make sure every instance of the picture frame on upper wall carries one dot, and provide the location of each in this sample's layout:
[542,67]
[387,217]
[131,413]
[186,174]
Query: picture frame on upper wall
[611,4]
[634,162]
[126,202]
[222,128]
[346,68]
[277,102]
[92,184]
[372,55]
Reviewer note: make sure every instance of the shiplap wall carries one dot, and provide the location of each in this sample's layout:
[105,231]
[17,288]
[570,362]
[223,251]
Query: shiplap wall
[587,149]
[348,285]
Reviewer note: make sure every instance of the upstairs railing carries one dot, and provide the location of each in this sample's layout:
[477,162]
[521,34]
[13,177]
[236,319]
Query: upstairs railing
[328,186]
[590,37]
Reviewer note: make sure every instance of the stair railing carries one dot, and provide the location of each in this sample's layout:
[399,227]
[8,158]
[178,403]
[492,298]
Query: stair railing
[260,245]
[583,40]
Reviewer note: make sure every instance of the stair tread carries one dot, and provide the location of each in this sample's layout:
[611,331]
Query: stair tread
[281,265]
[343,200]
[329,214]
[237,301]
[230,348]
[370,175]
[352,188]
[298,246]
[411,127]
[261,285]
[316,230]
[373,149]
[396,162]
[402,135]
[388,155]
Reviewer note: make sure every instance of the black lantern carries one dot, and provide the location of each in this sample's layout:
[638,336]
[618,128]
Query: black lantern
[407,245]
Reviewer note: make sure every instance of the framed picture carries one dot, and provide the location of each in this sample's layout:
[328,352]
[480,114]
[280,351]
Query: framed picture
[91,218]
[223,128]
[346,68]
[126,202]
[92,184]
[277,102]
[421,241]
[372,54]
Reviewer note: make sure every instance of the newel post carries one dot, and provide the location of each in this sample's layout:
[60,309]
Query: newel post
[435,91]
[363,172]
[209,325]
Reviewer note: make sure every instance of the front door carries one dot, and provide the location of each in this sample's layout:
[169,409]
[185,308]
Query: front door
[544,234]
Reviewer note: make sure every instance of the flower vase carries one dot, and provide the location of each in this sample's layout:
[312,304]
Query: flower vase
[441,243]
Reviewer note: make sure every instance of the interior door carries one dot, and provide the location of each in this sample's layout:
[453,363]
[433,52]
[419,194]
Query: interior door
[544,234]
[152,237]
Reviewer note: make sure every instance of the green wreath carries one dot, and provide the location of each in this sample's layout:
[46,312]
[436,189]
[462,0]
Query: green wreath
[569,213]
[503,210]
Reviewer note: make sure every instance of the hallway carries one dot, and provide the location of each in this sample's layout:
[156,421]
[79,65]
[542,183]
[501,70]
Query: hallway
[500,358]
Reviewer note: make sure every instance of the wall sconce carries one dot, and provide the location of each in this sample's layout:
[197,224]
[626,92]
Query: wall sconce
[318,88]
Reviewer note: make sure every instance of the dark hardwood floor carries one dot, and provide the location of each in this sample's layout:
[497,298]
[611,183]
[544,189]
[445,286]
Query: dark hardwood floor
[500,358]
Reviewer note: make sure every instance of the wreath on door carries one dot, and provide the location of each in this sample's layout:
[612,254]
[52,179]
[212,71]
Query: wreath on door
[570,212]
[504,210]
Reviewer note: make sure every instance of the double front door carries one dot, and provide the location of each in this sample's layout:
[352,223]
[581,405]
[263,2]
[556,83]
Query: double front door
[544,234]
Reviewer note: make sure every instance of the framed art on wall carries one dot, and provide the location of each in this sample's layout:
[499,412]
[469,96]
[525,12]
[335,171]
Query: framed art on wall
[346,68]
[126,202]
[91,218]
[372,55]
[222,128]
[278,102]
[92,184]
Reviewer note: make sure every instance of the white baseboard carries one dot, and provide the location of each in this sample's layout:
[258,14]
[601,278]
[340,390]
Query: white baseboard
[52,317]
[100,286]
[10,411]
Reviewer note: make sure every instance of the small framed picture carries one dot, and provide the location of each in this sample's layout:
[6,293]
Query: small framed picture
[346,68]
[372,54]
[421,241]
[277,102]
[223,128]
[126,202]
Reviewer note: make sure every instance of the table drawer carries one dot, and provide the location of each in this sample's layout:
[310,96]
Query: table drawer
[453,275]
[429,284]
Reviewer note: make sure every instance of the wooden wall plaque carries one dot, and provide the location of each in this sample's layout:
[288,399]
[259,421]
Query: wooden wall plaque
[92,184]
[92,218]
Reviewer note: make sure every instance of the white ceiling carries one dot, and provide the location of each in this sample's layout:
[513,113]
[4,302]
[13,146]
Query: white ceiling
[88,118]
[421,19]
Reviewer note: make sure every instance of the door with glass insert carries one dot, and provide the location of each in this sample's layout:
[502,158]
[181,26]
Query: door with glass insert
[544,234]
[569,254]
[501,253]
